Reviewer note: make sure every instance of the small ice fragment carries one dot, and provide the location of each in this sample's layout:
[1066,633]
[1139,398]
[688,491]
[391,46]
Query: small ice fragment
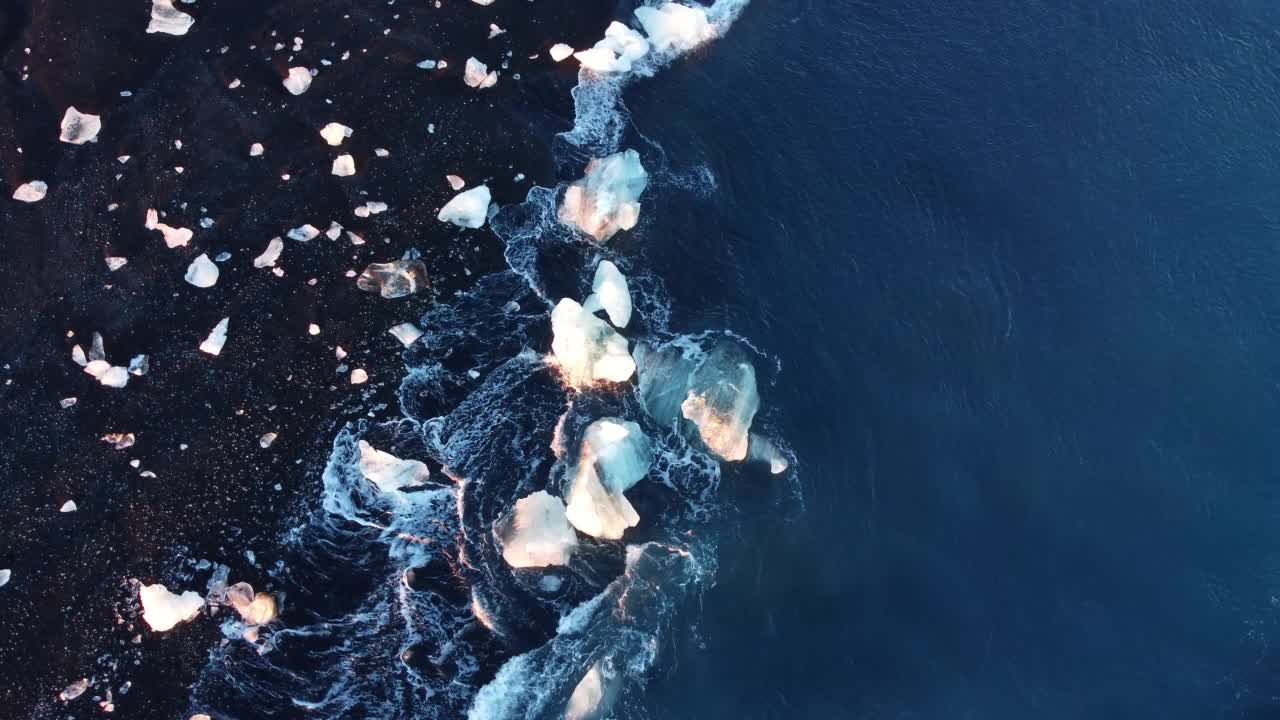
[607,199]
[167,19]
[389,472]
[675,26]
[162,610]
[359,376]
[298,81]
[139,365]
[304,233]
[114,376]
[381,152]
[271,254]
[119,441]
[344,165]
[560,51]
[74,690]
[494,31]
[234,84]
[222,256]
[427,65]
[96,350]
[455,182]
[396,279]
[115,263]
[173,237]
[334,230]
[537,533]
[202,272]
[334,133]
[313,329]
[30,192]
[68,506]
[254,609]
[339,353]
[265,441]
[79,128]
[354,238]
[469,209]
[255,150]
[4,577]
[620,47]
[477,75]
[123,159]
[406,333]
[586,348]
[473,374]
[609,291]
[67,402]
[217,338]
[482,2]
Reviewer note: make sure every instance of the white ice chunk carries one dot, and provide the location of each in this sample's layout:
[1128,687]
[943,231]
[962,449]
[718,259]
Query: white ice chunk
[537,532]
[217,337]
[344,166]
[455,182]
[255,150]
[620,47]
[406,333]
[271,254]
[79,128]
[254,608]
[389,472]
[115,263]
[607,199]
[173,237]
[4,577]
[761,449]
[167,19]
[615,455]
[74,690]
[30,192]
[359,376]
[202,272]
[468,209]
[586,348]
[722,401]
[594,695]
[115,376]
[560,51]
[334,231]
[298,80]
[162,610]
[334,133]
[675,27]
[478,76]
[395,279]
[68,507]
[609,292]
[482,2]
[304,232]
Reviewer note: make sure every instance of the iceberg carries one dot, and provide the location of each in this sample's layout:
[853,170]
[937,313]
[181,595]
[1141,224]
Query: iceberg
[389,472]
[217,338]
[467,209]
[478,76]
[609,292]
[586,348]
[395,279]
[537,533]
[202,272]
[167,19]
[79,128]
[162,610]
[607,199]
[334,133]
[271,254]
[615,455]
[616,52]
[298,80]
[344,166]
[675,27]
[30,192]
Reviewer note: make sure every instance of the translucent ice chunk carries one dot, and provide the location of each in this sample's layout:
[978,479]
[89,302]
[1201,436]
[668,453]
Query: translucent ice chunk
[478,76]
[68,507]
[334,133]
[616,52]
[5,574]
[30,192]
[674,26]
[74,690]
[607,199]
[586,348]
[395,279]
[202,272]
[79,128]
[469,209]
[560,51]
[614,456]
[217,337]
[115,263]
[389,472]
[271,254]
[610,293]
[167,19]
[173,237]
[162,610]
[298,80]
[344,166]
[406,333]
[304,232]
[537,533]
[722,401]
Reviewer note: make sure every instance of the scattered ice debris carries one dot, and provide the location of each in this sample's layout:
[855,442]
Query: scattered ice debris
[334,133]
[586,348]
[254,608]
[560,51]
[74,690]
[271,254]
[202,272]
[537,532]
[674,26]
[4,577]
[344,166]
[371,207]
[304,232]
[165,18]
[217,337]
[607,199]
[406,333]
[115,263]
[30,192]
[478,76]
[173,237]
[494,31]
[359,376]
[469,209]
[255,150]
[119,441]
[615,455]
[389,472]
[79,128]
[298,80]
[162,610]
[620,47]
[267,438]
[395,279]
[95,364]
[68,507]
[455,182]
[609,291]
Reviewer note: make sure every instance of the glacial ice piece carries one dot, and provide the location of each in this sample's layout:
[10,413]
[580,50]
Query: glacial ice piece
[478,76]
[119,441]
[68,507]
[298,80]
[217,337]
[722,402]
[615,455]
[406,333]
[114,263]
[202,272]
[30,192]
[586,348]
[74,690]
[616,52]
[467,209]
[304,233]
[560,51]
[389,472]
[762,450]
[395,279]
[609,292]
[267,439]
[675,27]
[256,149]
[359,376]
[271,254]
[607,199]
[455,182]
[537,533]
[334,133]
[79,128]
[344,166]
[173,237]
[139,365]
[5,574]
[162,610]
[167,19]
[595,693]
[254,609]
